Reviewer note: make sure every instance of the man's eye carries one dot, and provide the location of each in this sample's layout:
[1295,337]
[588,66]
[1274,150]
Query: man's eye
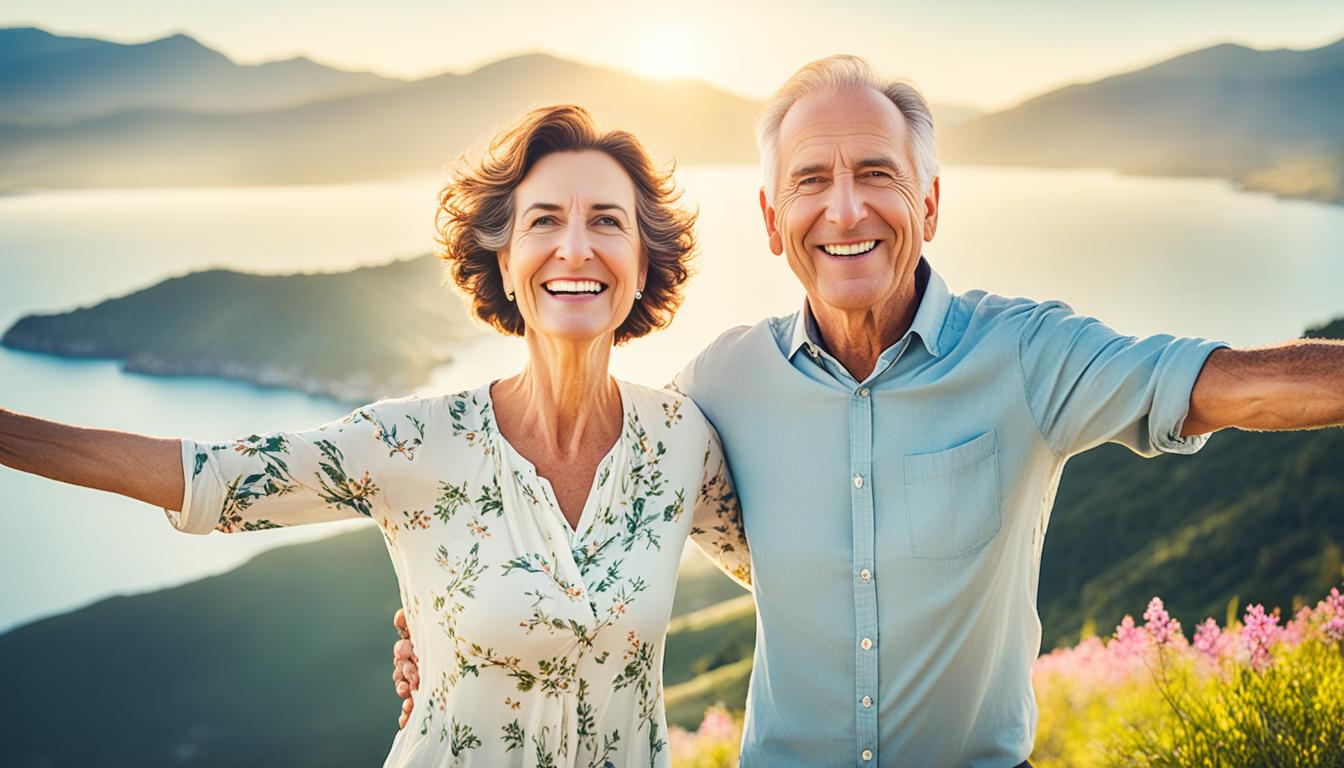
[878,174]
[809,180]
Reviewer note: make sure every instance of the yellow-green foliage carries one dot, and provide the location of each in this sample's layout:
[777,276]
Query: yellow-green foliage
[1253,695]
[714,744]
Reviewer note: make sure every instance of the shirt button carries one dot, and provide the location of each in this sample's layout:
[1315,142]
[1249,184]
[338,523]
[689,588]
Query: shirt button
[863,391]
[866,643]
[866,754]
[865,575]
[867,702]
[858,481]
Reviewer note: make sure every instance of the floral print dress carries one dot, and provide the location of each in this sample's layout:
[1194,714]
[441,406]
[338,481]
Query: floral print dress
[539,644]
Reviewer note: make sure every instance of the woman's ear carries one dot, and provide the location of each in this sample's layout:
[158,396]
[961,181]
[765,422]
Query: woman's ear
[502,256]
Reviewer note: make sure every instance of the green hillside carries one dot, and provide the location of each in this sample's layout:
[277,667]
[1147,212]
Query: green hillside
[1259,516]
[354,335]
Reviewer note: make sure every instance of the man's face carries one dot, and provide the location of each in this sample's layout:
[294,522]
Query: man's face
[848,212]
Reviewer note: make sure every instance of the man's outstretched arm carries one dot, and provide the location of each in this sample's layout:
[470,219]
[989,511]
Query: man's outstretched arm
[1294,385]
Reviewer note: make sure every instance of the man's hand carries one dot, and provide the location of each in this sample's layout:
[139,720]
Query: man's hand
[405,669]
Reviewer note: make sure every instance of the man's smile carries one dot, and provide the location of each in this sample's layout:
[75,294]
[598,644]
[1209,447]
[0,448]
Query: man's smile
[849,250]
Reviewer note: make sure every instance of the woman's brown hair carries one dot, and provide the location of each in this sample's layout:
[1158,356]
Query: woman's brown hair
[475,217]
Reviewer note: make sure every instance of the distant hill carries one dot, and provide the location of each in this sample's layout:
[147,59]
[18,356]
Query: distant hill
[284,661]
[354,336]
[46,78]
[1270,120]
[80,112]
[410,130]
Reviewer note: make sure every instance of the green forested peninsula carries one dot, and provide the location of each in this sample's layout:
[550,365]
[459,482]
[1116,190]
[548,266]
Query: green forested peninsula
[354,336]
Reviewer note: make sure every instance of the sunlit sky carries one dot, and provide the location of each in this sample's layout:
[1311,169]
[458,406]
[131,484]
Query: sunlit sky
[975,52]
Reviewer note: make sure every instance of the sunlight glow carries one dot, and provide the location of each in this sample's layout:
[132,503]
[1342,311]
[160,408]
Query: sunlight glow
[669,49]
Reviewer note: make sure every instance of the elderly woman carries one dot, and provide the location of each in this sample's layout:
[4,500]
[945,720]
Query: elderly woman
[536,522]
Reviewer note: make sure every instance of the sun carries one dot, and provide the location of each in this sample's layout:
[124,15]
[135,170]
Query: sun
[668,50]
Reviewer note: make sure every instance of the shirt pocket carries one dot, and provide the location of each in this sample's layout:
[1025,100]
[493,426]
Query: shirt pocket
[952,499]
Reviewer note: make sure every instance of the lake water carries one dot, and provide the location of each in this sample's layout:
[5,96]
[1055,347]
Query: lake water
[1190,257]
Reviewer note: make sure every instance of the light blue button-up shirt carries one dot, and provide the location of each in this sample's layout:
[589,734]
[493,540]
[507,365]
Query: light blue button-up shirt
[896,521]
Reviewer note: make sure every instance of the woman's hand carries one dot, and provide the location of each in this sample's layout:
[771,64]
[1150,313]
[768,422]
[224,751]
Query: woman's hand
[405,669]
[145,468]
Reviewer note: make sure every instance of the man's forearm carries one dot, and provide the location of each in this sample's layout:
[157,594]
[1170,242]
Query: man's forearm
[145,468]
[1294,385]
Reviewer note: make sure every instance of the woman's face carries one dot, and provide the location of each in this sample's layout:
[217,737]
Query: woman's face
[574,259]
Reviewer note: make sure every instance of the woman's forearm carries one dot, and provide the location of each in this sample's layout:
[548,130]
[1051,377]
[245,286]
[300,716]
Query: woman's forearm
[145,468]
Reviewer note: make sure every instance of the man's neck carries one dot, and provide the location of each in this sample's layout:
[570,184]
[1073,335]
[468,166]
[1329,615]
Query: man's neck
[856,338]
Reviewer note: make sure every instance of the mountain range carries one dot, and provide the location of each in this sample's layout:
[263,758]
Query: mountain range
[47,79]
[80,112]
[1271,120]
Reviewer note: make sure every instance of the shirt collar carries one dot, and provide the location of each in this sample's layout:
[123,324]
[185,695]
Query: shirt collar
[927,325]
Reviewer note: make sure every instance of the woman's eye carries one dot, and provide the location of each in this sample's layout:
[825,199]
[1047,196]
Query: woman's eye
[608,221]
[543,220]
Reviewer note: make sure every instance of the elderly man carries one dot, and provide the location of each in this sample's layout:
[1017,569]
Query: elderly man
[896,446]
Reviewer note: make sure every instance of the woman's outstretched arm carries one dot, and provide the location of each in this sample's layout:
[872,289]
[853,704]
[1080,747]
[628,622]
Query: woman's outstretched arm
[145,468]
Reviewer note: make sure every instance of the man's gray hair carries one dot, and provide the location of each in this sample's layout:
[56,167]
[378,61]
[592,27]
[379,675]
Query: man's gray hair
[841,73]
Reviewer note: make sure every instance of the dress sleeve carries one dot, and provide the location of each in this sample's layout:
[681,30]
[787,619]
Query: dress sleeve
[335,471]
[716,527]
[1086,384]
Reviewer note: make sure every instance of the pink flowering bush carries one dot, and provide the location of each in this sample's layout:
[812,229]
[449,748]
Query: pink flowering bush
[1250,694]
[714,744]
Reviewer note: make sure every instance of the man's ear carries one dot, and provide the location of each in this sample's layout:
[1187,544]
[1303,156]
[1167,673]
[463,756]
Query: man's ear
[768,214]
[931,211]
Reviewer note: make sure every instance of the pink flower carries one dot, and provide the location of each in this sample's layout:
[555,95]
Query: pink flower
[1129,639]
[1209,639]
[1331,611]
[718,725]
[1260,631]
[1163,629]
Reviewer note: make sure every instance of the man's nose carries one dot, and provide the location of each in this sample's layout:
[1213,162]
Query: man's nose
[845,207]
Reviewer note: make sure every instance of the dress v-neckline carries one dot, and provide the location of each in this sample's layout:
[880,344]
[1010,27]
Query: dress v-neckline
[590,502]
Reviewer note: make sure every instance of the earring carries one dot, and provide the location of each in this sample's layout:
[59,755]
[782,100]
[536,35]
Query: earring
[638,294]
[508,294]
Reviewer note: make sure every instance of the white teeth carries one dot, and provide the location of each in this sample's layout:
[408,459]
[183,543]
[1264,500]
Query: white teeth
[574,286]
[851,249]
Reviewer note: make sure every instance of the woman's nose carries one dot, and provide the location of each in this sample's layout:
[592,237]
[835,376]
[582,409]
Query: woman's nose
[574,245]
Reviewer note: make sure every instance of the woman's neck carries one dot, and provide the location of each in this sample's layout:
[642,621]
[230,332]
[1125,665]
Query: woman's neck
[564,397]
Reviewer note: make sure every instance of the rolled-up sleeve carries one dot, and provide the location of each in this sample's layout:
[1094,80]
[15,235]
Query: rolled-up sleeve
[1087,384]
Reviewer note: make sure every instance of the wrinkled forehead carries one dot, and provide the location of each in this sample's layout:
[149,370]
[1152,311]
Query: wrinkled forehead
[847,126]
[581,179]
